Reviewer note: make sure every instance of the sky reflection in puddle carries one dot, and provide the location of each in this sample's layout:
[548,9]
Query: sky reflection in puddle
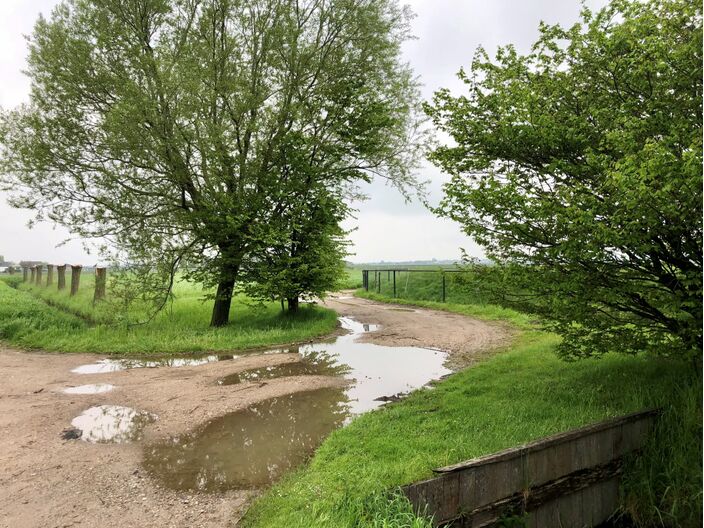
[95,388]
[113,365]
[378,370]
[111,423]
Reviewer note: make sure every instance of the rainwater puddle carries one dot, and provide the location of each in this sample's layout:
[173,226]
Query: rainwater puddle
[113,365]
[250,448]
[111,423]
[318,364]
[378,370]
[254,447]
[96,388]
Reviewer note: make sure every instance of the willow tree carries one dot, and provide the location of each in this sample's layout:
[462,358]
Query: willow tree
[165,126]
[579,167]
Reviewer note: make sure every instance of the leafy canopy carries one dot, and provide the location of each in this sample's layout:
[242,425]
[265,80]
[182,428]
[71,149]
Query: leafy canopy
[579,167]
[181,130]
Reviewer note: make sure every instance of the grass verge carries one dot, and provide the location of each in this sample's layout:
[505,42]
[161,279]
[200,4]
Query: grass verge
[511,398]
[28,320]
[487,312]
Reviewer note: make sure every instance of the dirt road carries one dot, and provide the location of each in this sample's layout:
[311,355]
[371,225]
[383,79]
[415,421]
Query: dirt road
[464,338]
[48,481]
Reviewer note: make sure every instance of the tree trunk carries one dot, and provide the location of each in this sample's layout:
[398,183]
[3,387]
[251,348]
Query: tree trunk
[49,274]
[292,304]
[75,279]
[223,300]
[99,285]
[24,273]
[61,275]
[33,270]
[39,275]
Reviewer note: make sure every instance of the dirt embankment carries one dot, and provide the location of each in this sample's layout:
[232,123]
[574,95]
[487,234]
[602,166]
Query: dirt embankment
[46,481]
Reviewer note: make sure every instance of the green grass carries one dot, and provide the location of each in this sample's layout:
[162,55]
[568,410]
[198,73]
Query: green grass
[425,284]
[663,486]
[352,279]
[40,317]
[511,398]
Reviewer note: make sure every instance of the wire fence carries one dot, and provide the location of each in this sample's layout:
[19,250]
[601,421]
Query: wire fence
[443,285]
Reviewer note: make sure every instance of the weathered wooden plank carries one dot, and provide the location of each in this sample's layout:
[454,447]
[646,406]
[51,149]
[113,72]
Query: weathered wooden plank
[450,496]
[609,500]
[591,504]
[545,515]
[548,441]
[570,479]
[569,509]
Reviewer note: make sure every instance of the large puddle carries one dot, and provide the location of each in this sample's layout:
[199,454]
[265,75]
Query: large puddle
[249,448]
[254,447]
[377,370]
[111,423]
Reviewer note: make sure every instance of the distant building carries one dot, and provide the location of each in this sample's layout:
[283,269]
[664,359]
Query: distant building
[6,267]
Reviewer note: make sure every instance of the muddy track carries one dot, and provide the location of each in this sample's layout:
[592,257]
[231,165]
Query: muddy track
[46,481]
[465,339]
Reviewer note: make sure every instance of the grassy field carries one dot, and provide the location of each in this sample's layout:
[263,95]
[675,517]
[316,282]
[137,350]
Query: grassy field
[352,279]
[425,283]
[42,317]
[521,394]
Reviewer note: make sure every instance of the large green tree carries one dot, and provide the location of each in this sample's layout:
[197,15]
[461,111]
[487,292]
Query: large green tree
[579,167]
[166,127]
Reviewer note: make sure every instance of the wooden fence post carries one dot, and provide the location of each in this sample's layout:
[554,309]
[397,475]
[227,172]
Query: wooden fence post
[61,273]
[75,278]
[39,275]
[99,294]
[24,273]
[49,274]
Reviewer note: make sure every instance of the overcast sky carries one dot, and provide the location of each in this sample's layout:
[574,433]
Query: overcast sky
[386,228]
